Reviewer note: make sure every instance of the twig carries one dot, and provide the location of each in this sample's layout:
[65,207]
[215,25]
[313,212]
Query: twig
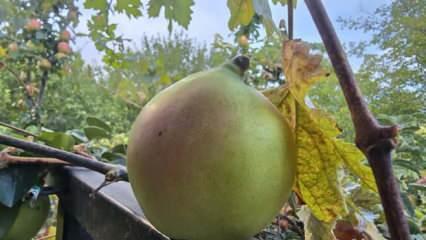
[8,159]
[126,101]
[374,140]
[18,79]
[44,78]
[30,99]
[294,223]
[116,172]
[290,11]
[19,130]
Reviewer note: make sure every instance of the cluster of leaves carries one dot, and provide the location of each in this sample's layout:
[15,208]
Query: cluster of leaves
[103,31]
[34,43]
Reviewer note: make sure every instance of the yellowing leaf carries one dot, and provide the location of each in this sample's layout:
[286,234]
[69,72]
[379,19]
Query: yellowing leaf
[352,158]
[2,52]
[320,154]
[301,68]
[317,168]
[165,79]
[327,123]
[242,11]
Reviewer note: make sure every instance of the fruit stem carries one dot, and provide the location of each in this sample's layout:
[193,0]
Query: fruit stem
[242,62]
[374,140]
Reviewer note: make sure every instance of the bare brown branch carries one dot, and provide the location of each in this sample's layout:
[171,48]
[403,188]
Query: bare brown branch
[7,159]
[376,141]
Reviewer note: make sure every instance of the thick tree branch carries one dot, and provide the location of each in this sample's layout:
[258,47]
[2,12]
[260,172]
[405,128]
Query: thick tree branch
[112,172]
[374,140]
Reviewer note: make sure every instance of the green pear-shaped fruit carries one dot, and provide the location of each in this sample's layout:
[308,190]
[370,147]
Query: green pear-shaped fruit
[23,221]
[210,158]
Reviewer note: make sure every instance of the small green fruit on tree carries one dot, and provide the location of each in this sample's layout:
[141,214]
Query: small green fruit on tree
[45,64]
[23,221]
[35,46]
[243,41]
[211,158]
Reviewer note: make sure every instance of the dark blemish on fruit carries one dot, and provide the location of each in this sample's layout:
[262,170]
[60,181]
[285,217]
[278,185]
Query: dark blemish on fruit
[160,133]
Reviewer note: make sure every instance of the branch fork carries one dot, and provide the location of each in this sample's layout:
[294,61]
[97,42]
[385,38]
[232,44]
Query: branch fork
[374,140]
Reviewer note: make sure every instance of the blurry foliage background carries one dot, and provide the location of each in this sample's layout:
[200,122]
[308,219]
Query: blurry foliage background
[392,79]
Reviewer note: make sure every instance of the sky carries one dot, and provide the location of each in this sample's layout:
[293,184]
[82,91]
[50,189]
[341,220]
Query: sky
[211,17]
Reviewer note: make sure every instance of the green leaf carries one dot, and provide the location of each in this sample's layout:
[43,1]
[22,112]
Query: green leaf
[178,11]
[115,158]
[242,12]
[407,165]
[96,122]
[418,187]
[57,139]
[41,35]
[96,4]
[284,2]
[165,79]
[96,133]
[262,8]
[15,181]
[130,7]
[78,135]
[121,148]
[414,227]
[407,203]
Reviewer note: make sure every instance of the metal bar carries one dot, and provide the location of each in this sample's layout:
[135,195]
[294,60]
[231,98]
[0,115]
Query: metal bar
[109,214]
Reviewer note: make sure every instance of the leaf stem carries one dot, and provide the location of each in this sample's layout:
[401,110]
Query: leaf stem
[374,140]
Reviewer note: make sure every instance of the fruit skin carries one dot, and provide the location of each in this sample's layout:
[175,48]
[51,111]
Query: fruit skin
[33,25]
[243,41]
[45,64]
[28,219]
[64,47]
[210,158]
[13,47]
[65,36]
